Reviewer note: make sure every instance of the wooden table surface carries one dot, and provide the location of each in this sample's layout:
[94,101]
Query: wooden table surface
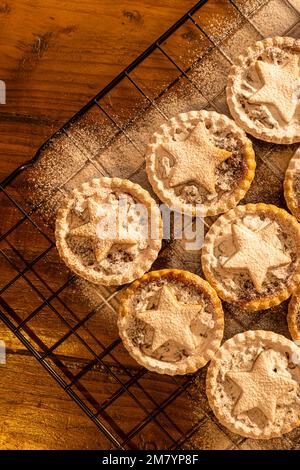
[55,56]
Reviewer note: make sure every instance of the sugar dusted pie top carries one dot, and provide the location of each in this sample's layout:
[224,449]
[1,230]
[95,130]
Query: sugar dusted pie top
[200,162]
[253,384]
[263,90]
[109,231]
[171,321]
[251,255]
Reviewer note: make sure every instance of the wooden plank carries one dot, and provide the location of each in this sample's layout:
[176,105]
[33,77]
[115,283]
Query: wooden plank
[54,57]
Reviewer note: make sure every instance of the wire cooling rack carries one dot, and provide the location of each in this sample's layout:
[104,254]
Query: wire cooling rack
[131,407]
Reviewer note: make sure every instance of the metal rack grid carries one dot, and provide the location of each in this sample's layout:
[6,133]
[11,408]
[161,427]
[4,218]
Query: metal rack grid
[146,407]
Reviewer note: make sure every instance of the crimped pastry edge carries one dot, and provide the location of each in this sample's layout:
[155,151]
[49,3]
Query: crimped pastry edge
[157,183]
[266,301]
[288,185]
[246,124]
[293,309]
[191,363]
[61,228]
[212,372]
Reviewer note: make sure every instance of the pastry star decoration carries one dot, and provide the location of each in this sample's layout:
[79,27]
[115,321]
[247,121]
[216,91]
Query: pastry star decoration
[261,387]
[279,86]
[91,231]
[196,159]
[256,252]
[171,321]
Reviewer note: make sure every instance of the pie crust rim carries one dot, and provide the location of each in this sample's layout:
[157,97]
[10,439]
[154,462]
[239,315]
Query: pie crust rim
[266,301]
[288,184]
[221,206]
[293,312]
[211,378]
[193,362]
[245,123]
[61,231]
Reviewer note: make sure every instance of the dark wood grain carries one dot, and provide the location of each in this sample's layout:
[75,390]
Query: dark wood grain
[54,56]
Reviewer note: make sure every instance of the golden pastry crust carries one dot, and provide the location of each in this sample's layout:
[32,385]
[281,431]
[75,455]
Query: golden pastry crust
[210,262]
[239,354]
[170,277]
[290,193]
[224,199]
[293,316]
[145,256]
[258,122]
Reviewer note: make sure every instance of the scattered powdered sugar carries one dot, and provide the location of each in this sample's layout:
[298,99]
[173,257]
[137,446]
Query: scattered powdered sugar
[239,283]
[298,319]
[118,258]
[251,82]
[80,155]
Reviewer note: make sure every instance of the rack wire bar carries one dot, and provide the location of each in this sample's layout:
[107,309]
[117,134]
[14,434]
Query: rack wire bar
[129,386]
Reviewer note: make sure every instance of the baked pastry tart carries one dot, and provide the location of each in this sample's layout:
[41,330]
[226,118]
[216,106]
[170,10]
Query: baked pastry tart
[200,163]
[293,316]
[253,384]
